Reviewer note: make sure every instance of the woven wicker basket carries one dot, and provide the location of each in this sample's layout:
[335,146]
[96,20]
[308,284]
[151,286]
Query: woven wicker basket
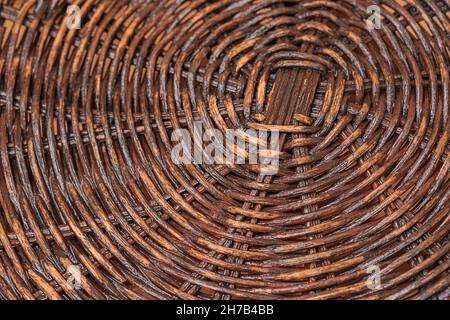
[92,205]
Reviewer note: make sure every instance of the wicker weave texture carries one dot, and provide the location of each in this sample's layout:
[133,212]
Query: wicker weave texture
[87,181]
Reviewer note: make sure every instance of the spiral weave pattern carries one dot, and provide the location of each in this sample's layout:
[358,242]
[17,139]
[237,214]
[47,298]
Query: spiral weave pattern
[358,89]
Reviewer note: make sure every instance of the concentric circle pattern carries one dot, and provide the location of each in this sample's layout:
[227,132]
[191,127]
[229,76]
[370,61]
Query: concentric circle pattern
[358,89]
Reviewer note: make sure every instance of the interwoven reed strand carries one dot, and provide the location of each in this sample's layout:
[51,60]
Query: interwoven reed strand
[86,178]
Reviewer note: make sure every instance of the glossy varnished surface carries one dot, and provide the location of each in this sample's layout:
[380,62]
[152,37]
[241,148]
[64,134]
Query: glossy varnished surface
[86,177]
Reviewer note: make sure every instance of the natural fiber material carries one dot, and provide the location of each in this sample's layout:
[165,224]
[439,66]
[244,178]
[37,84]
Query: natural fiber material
[86,175]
